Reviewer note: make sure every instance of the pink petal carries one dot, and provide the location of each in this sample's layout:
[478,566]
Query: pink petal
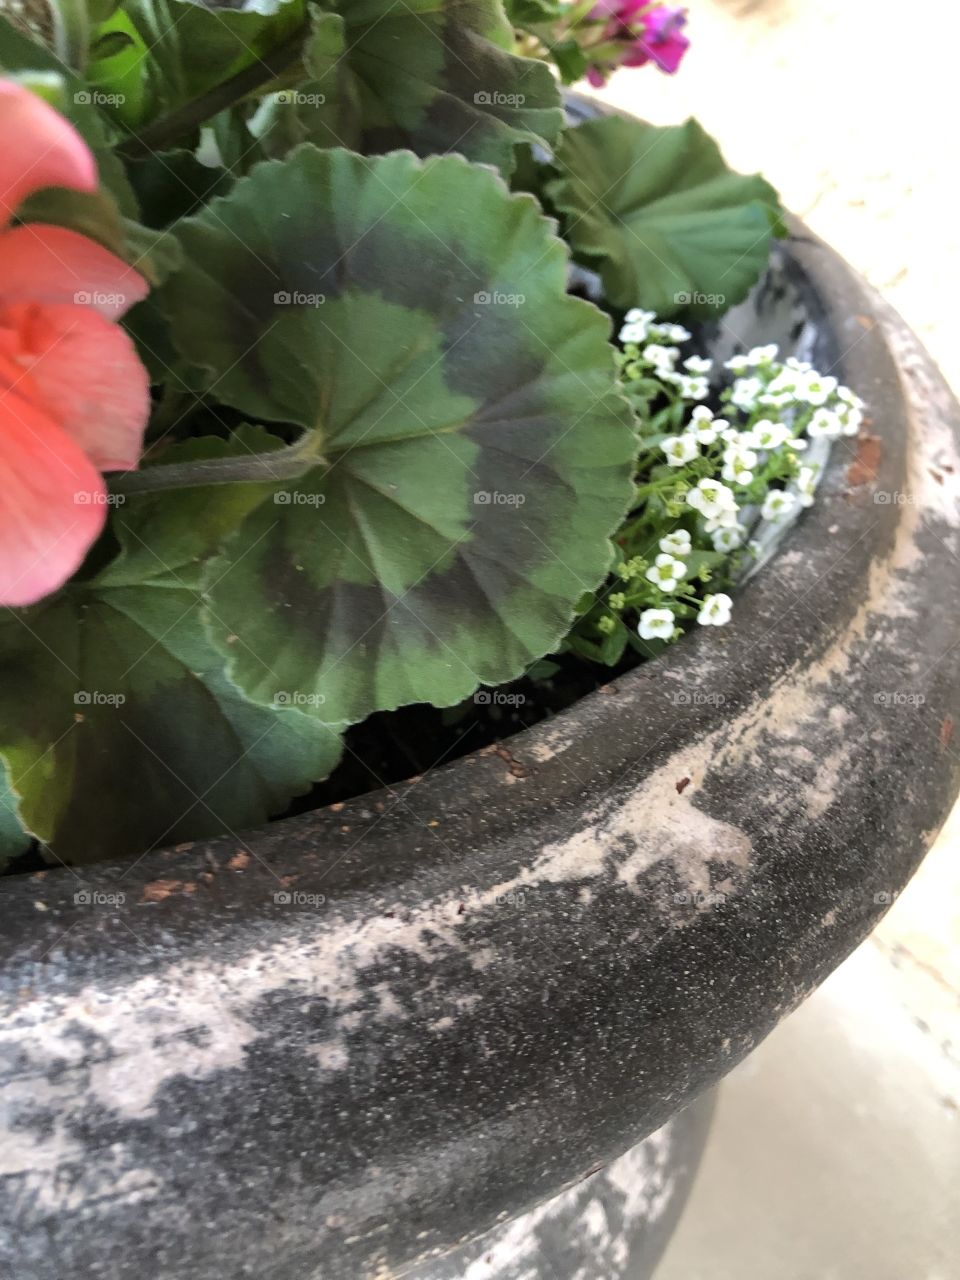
[40,149]
[52,503]
[669,54]
[39,263]
[88,377]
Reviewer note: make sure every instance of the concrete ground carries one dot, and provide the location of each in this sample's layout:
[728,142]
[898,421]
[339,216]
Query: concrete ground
[836,1153]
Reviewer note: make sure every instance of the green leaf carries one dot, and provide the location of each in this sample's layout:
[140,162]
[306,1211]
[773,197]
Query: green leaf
[324,107]
[120,729]
[19,54]
[526,13]
[194,47]
[412,317]
[669,226]
[434,76]
[571,60]
[118,69]
[172,184]
[121,732]
[111,43]
[170,533]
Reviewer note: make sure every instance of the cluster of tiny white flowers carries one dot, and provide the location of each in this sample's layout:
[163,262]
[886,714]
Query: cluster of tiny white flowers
[658,354]
[726,464]
[762,384]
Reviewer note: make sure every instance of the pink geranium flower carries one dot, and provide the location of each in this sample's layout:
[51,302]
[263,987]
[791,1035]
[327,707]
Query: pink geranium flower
[645,33]
[74,396]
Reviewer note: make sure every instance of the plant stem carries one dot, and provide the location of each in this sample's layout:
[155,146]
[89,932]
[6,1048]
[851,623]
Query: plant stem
[160,133]
[289,463]
[71,32]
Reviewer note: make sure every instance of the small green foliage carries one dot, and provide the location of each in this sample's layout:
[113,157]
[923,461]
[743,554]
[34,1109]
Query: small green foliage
[659,214]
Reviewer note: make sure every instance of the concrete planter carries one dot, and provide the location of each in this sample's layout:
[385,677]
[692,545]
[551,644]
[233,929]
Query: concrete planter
[355,1040]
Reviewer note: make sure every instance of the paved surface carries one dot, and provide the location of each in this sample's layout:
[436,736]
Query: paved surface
[837,1148]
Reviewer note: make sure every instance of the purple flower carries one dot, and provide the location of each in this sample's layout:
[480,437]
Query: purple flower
[639,33]
[662,40]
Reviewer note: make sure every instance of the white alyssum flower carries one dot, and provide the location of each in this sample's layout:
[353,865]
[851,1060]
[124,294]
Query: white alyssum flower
[680,449]
[677,543]
[637,325]
[693,388]
[850,419]
[798,366]
[711,499]
[777,504]
[738,464]
[725,520]
[636,315]
[675,333]
[715,610]
[776,399]
[656,624]
[806,486]
[745,392]
[697,364]
[703,426]
[635,333]
[666,572]
[737,364]
[825,423]
[850,398]
[766,435]
[730,435]
[786,381]
[815,388]
[662,358]
[762,355]
[728,539]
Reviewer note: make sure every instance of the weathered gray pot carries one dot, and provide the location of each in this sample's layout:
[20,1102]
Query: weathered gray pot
[529,960]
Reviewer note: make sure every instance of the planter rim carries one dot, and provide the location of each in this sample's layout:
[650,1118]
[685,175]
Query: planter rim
[527,960]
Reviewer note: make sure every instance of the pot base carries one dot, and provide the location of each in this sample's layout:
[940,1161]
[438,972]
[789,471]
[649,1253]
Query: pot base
[613,1225]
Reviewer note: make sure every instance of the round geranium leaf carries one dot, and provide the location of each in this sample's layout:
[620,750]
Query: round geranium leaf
[669,226]
[472,454]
